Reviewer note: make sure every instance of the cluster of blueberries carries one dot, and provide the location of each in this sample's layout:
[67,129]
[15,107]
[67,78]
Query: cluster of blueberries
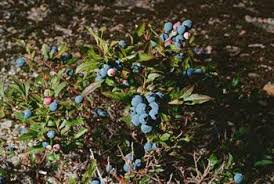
[136,67]
[144,110]
[131,164]
[238,178]
[109,70]
[176,33]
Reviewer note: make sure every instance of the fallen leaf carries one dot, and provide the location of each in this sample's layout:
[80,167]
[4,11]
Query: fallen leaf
[269,88]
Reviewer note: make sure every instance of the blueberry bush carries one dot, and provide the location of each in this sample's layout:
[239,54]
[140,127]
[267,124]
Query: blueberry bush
[119,105]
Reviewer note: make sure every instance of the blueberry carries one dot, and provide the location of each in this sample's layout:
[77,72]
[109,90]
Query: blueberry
[150,97]
[198,71]
[103,72]
[53,49]
[108,168]
[141,108]
[153,113]
[95,182]
[101,113]
[159,94]
[189,72]
[118,64]
[65,57]
[45,144]
[187,24]
[27,114]
[23,130]
[2,180]
[164,36]
[177,45]
[148,146]
[98,77]
[137,99]
[69,72]
[168,27]
[20,62]
[154,106]
[135,120]
[51,134]
[129,157]
[78,99]
[137,164]
[154,146]
[122,44]
[238,178]
[181,29]
[126,167]
[146,128]
[53,106]
[136,67]
[142,118]
[179,38]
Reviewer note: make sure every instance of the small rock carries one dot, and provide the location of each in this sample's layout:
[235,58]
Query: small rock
[253,75]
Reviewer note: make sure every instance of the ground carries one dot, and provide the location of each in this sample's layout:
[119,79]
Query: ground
[241,50]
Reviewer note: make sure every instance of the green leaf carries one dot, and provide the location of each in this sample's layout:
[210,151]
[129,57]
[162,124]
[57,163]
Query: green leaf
[2,91]
[144,57]
[213,160]
[187,92]
[196,99]
[165,137]
[176,102]
[81,132]
[90,172]
[140,31]
[263,163]
[28,136]
[59,88]
[152,76]
[53,157]
[45,50]
[92,87]
[117,95]
[87,67]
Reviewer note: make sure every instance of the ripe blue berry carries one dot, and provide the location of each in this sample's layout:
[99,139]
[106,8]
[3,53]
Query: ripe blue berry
[141,108]
[2,180]
[164,36]
[154,106]
[179,38]
[238,178]
[51,134]
[150,97]
[129,157]
[146,128]
[159,94]
[137,99]
[142,118]
[189,72]
[78,99]
[53,106]
[168,27]
[108,168]
[65,57]
[153,114]
[101,113]
[135,120]
[94,182]
[126,167]
[27,114]
[198,71]
[20,62]
[137,164]
[148,147]
[181,29]
[177,45]
[122,44]
[45,144]
[187,24]
[53,49]
[118,64]
[136,67]
[69,72]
